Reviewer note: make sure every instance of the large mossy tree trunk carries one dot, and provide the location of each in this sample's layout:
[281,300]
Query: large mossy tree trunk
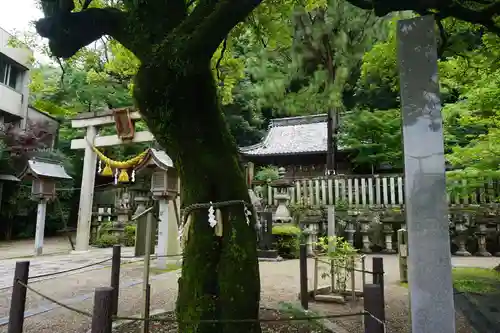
[220,275]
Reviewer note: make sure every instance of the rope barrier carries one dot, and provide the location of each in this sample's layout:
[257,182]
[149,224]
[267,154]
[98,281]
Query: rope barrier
[68,270]
[226,321]
[53,274]
[189,209]
[83,313]
[384,327]
[229,321]
[73,188]
[153,256]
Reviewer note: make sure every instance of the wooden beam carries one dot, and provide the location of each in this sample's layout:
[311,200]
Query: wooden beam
[112,140]
[99,119]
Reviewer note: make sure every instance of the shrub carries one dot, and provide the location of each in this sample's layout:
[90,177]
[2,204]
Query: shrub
[129,235]
[287,237]
[343,255]
[267,173]
[107,240]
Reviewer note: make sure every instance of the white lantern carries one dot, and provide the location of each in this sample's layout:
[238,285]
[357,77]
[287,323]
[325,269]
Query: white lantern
[43,188]
[44,174]
[164,183]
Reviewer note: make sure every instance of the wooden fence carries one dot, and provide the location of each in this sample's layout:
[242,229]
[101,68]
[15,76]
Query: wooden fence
[375,190]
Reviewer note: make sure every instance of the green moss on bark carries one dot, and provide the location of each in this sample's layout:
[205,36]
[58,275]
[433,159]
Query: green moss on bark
[220,276]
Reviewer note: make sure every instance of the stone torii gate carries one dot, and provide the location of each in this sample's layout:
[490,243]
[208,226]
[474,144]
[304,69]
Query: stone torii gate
[91,121]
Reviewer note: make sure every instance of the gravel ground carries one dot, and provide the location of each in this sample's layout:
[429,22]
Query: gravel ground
[266,314]
[397,313]
[279,281]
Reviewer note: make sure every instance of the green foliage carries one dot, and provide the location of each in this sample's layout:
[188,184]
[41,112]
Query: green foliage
[311,74]
[107,240]
[129,235]
[267,173]
[343,256]
[375,137]
[474,134]
[287,237]
[476,280]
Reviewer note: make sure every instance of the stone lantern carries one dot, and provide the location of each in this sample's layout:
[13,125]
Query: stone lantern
[282,214]
[164,189]
[44,173]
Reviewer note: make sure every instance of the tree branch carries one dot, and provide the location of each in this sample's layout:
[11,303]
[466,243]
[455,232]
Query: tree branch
[444,8]
[214,28]
[69,32]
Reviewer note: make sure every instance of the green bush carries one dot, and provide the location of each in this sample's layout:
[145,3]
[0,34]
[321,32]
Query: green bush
[287,237]
[107,240]
[129,235]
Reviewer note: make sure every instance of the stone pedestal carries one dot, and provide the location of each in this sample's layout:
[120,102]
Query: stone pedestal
[365,229]
[481,240]
[461,231]
[349,230]
[388,232]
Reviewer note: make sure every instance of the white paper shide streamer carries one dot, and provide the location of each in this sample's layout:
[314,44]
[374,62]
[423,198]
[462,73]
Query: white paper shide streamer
[212,220]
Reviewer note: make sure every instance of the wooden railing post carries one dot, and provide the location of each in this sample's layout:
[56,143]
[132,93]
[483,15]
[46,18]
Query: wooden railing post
[115,276]
[103,310]
[378,279]
[374,306]
[304,295]
[18,300]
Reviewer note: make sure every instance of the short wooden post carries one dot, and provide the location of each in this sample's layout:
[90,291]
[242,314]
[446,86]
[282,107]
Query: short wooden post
[378,278]
[18,300]
[147,309]
[115,276]
[304,296]
[103,310]
[374,305]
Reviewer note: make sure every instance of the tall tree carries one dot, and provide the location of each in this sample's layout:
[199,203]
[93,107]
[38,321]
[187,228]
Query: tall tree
[176,92]
[316,70]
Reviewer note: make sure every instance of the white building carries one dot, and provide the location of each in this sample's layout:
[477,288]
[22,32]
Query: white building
[14,81]
[15,64]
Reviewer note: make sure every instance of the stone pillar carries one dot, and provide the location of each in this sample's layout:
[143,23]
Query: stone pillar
[40,226]
[86,193]
[168,232]
[173,244]
[140,233]
[431,301]
[163,232]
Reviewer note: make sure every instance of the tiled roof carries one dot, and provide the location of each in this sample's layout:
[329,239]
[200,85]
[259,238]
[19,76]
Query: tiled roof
[295,135]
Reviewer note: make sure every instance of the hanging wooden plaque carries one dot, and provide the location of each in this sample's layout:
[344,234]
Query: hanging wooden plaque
[124,125]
